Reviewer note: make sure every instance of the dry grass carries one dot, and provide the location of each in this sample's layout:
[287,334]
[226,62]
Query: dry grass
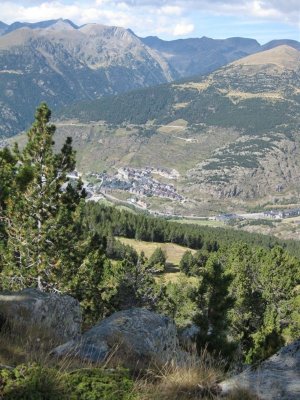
[200,86]
[20,343]
[192,378]
[23,344]
[284,57]
[173,251]
[236,96]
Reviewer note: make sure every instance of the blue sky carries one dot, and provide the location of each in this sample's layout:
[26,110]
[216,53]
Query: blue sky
[263,20]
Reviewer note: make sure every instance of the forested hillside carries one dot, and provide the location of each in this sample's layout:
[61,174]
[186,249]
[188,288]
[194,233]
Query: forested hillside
[258,84]
[239,291]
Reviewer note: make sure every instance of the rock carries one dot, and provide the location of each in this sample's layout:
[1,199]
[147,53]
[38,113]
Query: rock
[135,335]
[187,336]
[277,378]
[60,314]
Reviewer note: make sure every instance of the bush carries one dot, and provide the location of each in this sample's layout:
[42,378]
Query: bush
[31,382]
[34,382]
[94,384]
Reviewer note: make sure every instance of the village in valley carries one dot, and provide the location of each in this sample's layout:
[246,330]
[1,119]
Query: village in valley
[139,183]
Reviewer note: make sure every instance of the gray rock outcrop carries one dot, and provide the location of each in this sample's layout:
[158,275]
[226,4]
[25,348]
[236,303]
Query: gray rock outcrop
[60,315]
[277,378]
[135,335]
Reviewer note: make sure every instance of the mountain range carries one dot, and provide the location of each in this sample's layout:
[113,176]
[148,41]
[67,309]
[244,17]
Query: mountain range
[61,63]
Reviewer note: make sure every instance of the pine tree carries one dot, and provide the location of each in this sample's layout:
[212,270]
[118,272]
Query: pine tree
[213,303]
[187,263]
[39,214]
[157,261]
[246,317]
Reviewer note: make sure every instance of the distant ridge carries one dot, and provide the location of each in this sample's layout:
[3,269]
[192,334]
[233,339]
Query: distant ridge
[35,25]
[198,56]
[62,63]
[195,100]
[287,42]
[283,56]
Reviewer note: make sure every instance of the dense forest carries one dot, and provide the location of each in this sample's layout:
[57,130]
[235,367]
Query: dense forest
[110,221]
[210,106]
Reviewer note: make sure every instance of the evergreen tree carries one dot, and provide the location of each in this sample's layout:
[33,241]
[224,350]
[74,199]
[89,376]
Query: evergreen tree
[278,280]
[213,303]
[187,263]
[39,214]
[131,285]
[157,261]
[246,317]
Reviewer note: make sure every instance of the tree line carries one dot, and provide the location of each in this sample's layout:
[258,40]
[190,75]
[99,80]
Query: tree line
[111,221]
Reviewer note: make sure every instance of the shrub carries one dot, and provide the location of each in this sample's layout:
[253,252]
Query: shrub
[35,382]
[94,384]
[31,382]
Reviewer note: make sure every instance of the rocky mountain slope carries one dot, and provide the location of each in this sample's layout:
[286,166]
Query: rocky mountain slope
[232,135]
[58,62]
[198,56]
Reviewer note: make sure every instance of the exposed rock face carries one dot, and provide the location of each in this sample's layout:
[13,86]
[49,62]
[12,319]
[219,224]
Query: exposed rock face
[277,378]
[136,334]
[31,307]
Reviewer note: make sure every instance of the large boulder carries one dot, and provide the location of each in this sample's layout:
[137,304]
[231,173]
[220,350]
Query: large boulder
[60,315]
[188,336]
[136,335]
[277,378]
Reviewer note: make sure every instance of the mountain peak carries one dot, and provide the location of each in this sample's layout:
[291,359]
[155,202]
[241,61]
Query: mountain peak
[108,32]
[281,42]
[61,25]
[284,57]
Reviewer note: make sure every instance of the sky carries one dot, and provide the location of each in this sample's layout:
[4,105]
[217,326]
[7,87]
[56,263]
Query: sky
[262,20]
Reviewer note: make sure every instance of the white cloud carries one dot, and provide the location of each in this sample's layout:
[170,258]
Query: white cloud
[183,29]
[171,10]
[281,10]
[174,18]
[143,20]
